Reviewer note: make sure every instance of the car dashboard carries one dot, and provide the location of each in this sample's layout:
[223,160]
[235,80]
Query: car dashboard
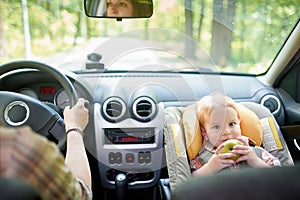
[125,132]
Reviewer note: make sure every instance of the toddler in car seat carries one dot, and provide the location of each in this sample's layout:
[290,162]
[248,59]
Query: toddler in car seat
[220,121]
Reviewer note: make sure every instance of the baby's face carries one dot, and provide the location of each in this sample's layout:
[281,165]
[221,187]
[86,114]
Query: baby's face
[223,125]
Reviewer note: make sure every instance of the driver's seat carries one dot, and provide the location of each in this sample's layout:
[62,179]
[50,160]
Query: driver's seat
[183,138]
[17,190]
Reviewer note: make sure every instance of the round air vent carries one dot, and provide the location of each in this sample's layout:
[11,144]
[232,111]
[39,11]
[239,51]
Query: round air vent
[272,103]
[113,108]
[144,108]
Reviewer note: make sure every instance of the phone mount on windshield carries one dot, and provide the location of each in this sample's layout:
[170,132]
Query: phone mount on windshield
[94,61]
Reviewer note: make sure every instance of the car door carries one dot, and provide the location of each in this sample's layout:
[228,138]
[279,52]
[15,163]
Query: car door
[288,87]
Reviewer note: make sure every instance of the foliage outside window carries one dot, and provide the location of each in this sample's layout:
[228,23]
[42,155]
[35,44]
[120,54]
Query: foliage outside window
[245,38]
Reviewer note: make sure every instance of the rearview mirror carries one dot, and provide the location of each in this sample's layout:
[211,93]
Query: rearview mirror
[118,8]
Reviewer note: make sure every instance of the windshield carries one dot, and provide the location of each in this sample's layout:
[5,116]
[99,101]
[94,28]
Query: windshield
[181,35]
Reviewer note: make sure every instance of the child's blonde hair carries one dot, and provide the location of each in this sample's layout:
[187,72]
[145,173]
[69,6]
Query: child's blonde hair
[213,101]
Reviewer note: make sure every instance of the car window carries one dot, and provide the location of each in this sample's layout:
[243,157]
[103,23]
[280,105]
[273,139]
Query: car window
[181,35]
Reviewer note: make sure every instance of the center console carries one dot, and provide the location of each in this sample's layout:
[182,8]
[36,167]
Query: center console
[131,147]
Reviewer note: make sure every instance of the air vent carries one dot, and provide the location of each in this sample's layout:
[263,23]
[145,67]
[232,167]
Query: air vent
[114,109]
[144,108]
[272,103]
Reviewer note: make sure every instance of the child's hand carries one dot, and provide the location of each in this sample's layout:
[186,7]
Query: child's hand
[220,160]
[247,154]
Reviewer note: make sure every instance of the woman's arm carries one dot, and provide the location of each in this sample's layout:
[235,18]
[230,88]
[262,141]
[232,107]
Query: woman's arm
[76,157]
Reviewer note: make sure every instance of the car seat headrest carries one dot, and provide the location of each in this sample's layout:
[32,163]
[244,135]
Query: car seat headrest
[250,127]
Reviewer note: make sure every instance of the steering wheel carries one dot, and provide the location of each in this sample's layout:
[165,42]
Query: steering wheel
[18,109]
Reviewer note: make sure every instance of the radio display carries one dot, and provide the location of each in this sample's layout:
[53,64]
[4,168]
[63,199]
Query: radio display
[129,136]
[130,139]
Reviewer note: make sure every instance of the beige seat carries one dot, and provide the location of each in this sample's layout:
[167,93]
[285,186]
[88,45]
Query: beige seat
[183,139]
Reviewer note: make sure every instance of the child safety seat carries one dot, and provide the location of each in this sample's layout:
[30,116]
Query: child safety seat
[183,138]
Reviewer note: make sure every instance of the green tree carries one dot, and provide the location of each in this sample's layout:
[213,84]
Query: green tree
[3,52]
[222,28]
[190,48]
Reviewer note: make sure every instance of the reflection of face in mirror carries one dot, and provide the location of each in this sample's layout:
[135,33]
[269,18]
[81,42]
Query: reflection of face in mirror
[119,8]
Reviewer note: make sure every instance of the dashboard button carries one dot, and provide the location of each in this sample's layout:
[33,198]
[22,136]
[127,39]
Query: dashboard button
[129,158]
[147,157]
[141,158]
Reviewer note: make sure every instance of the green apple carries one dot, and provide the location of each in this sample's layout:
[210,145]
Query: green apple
[228,147]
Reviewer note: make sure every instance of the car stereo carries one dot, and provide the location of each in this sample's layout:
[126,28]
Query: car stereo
[129,136]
